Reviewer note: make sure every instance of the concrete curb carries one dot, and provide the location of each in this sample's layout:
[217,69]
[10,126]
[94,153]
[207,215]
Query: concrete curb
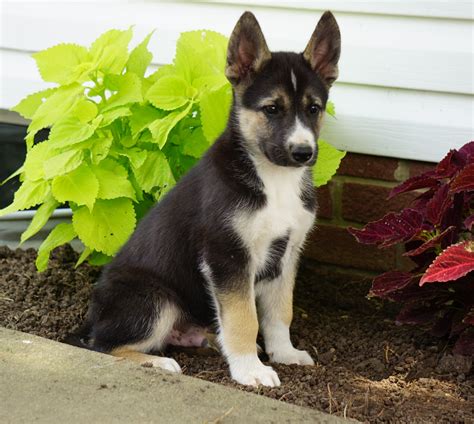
[44,381]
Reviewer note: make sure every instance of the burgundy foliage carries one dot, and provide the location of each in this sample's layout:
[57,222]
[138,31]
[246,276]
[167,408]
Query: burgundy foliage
[436,231]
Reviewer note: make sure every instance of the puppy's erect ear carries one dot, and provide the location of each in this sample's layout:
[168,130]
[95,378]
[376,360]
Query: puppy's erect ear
[247,51]
[324,48]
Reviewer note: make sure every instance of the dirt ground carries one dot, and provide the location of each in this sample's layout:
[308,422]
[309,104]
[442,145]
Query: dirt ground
[366,367]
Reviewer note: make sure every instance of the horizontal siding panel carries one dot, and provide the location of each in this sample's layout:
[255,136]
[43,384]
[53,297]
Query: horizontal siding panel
[423,54]
[454,9]
[389,122]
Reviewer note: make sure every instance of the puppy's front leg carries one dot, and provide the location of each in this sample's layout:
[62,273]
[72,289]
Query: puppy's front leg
[238,335]
[275,300]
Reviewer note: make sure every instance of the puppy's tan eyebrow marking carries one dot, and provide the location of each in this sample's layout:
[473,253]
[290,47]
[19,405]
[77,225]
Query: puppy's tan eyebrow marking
[277,96]
[310,99]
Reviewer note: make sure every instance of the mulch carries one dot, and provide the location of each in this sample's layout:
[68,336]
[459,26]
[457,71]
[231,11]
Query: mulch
[367,368]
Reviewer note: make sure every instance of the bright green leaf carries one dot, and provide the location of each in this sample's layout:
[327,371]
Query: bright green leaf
[328,161]
[30,193]
[330,109]
[109,53]
[113,180]
[100,146]
[28,106]
[193,143]
[215,107]
[154,172]
[140,58]
[161,128]
[107,227]
[84,255]
[142,116]
[170,92]
[85,110]
[40,217]
[71,130]
[79,186]
[99,258]
[35,159]
[62,163]
[129,90]
[58,63]
[113,114]
[61,234]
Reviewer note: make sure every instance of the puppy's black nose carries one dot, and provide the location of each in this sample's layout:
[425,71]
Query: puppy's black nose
[301,153]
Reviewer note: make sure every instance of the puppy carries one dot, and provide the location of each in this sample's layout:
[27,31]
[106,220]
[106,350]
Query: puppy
[222,246]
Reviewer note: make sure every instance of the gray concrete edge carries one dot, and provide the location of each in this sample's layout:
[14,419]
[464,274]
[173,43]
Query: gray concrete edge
[44,381]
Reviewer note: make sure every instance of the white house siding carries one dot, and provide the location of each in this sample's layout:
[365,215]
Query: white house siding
[406,73]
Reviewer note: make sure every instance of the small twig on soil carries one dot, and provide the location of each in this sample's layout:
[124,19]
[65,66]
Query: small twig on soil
[366,406]
[201,373]
[285,395]
[330,398]
[387,350]
[6,298]
[219,419]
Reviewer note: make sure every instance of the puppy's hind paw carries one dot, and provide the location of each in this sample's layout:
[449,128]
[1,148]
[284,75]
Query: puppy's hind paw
[293,356]
[254,373]
[168,364]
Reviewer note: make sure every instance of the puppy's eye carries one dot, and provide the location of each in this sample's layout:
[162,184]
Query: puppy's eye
[271,109]
[314,108]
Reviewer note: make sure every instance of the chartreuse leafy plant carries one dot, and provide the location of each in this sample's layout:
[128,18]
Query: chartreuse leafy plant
[436,231]
[119,140]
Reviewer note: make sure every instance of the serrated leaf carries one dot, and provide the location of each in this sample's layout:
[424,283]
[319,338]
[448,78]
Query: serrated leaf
[170,92]
[161,128]
[109,53]
[140,57]
[79,186]
[425,180]
[71,130]
[464,181]
[100,146]
[389,282]
[215,108]
[113,114]
[329,159]
[61,234]
[154,172]
[113,180]
[437,206]
[107,227]
[451,264]
[30,193]
[54,108]
[40,217]
[129,90]
[392,228]
[85,110]
[35,159]
[330,109]
[432,243]
[58,63]
[28,106]
[200,53]
[62,163]
[142,116]
[136,156]
[193,143]
[99,258]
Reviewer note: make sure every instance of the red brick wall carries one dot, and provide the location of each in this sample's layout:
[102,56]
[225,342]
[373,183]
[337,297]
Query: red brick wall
[356,195]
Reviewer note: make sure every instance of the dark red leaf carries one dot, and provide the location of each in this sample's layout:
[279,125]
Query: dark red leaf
[467,152]
[426,180]
[391,229]
[465,343]
[469,318]
[435,241]
[469,222]
[414,314]
[450,164]
[464,181]
[389,282]
[439,203]
[452,263]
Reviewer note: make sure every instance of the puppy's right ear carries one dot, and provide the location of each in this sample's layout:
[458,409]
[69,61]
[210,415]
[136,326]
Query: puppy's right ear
[247,51]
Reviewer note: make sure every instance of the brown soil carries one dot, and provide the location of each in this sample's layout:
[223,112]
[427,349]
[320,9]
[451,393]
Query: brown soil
[366,367]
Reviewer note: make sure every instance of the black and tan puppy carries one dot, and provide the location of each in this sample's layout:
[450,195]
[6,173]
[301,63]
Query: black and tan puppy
[222,247]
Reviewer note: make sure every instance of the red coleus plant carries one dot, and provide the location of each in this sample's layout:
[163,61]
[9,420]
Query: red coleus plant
[436,231]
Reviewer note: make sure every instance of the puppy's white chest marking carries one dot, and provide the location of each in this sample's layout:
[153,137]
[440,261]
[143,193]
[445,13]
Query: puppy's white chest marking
[282,215]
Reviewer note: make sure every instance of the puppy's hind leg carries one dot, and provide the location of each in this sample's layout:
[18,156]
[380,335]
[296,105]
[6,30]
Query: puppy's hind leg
[160,328]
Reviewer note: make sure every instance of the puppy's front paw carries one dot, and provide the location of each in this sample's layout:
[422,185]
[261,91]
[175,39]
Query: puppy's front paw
[291,356]
[251,372]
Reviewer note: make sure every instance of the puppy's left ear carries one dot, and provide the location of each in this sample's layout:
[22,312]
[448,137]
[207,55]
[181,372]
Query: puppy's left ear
[247,52]
[324,48]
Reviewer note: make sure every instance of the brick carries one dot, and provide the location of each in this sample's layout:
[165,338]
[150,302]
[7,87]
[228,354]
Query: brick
[366,202]
[416,168]
[366,166]
[334,245]
[324,201]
